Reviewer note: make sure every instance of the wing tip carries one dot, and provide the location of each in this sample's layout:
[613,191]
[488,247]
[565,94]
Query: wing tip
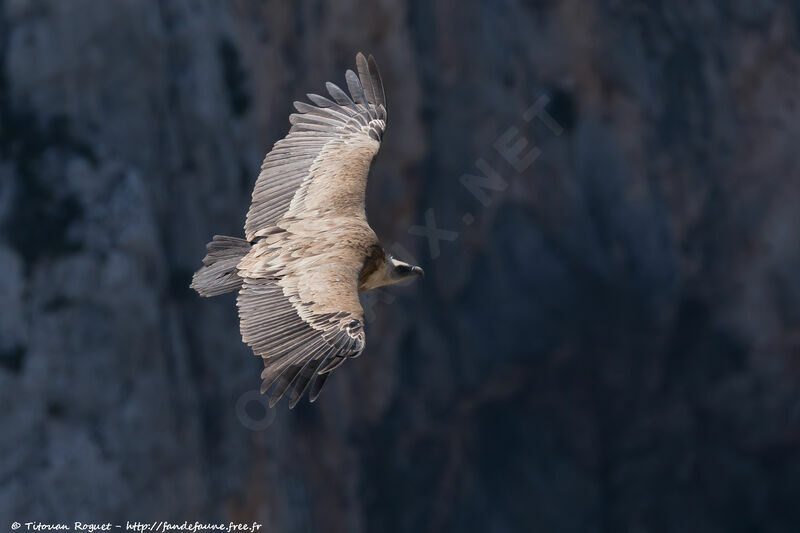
[371,70]
[357,91]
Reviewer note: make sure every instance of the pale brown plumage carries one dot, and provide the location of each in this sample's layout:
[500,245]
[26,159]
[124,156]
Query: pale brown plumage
[308,248]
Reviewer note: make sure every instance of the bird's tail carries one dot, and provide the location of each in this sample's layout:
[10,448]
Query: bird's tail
[219,274]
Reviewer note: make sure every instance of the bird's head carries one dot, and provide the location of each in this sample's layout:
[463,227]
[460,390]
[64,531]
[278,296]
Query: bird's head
[400,270]
[383,269]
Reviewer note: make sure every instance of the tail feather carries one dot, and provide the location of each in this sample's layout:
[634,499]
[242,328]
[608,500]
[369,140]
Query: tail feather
[219,275]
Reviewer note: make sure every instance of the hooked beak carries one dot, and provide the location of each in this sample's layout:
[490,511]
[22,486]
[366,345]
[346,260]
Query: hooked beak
[418,271]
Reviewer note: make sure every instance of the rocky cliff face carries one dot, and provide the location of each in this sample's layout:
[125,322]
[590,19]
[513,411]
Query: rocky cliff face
[606,342]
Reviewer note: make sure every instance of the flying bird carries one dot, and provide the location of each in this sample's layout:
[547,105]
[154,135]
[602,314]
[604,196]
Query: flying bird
[308,249]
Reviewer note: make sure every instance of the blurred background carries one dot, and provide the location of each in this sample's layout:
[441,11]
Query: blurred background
[608,342]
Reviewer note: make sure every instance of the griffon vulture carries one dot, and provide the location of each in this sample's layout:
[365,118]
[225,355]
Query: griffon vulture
[308,249]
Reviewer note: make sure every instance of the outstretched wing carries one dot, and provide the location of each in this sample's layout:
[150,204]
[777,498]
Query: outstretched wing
[324,160]
[304,322]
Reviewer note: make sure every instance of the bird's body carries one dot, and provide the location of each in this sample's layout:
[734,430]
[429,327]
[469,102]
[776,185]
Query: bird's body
[308,249]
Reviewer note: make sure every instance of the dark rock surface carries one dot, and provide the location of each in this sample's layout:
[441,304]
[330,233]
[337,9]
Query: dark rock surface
[611,345]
